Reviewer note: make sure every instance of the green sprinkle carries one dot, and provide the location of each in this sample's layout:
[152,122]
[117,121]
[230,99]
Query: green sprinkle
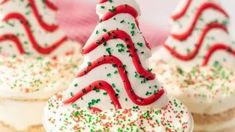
[71,94]
[105,30]
[122,21]
[113,85]
[109,51]
[89,63]
[140,44]
[180,71]
[132,33]
[109,75]
[132,25]
[77,113]
[113,9]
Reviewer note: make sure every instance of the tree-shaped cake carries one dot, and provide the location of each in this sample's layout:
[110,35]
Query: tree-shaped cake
[115,78]
[36,61]
[198,59]
[29,27]
[199,35]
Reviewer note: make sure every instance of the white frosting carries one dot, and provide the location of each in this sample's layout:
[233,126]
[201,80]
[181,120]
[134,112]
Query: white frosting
[66,118]
[213,96]
[204,90]
[21,115]
[39,78]
[214,36]
[55,116]
[43,38]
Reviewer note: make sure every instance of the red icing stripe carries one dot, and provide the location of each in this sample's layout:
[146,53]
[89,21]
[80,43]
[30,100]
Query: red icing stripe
[120,9]
[50,5]
[93,86]
[36,46]
[118,64]
[123,9]
[47,2]
[102,1]
[43,24]
[203,8]
[94,109]
[182,12]
[195,51]
[13,38]
[47,27]
[119,34]
[215,48]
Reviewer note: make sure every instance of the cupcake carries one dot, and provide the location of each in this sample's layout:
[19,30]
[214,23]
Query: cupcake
[198,59]
[36,61]
[114,89]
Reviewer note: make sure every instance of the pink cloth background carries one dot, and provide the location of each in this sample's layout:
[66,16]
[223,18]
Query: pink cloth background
[78,19]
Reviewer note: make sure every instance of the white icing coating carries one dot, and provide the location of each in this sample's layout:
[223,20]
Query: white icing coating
[55,116]
[42,37]
[139,88]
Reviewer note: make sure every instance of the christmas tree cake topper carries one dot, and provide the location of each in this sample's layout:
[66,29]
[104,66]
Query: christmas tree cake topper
[115,90]
[114,73]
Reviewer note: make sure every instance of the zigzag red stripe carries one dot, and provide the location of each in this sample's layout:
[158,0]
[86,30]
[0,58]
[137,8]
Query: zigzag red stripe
[203,8]
[123,9]
[119,34]
[36,46]
[216,48]
[47,27]
[195,51]
[13,38]
[114,61]
[94,86]
[51,5]
[102,1]
[44,25]
[120,9]
[182,12]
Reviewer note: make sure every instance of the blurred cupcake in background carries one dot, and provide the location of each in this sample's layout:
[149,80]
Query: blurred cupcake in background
[37,60]
[199,58]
